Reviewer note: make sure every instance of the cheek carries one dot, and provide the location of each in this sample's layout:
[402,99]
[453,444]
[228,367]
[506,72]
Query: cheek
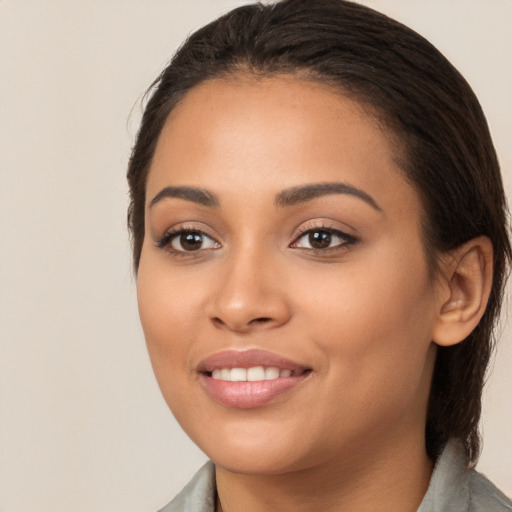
[168,312]
[374,316]
[168,298]
[375,338]
[168,323]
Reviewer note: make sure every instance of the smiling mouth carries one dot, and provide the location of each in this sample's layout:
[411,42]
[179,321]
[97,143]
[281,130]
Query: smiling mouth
[253,374]
[251,378]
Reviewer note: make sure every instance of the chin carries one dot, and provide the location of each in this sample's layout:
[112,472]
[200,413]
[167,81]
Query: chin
[253,448]
[261,463]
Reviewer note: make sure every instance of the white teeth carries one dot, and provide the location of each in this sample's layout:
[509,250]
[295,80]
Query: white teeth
[238,374]
[256,373]
[271,373]
[253,374]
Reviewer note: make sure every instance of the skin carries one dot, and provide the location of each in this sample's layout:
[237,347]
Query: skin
[361,314]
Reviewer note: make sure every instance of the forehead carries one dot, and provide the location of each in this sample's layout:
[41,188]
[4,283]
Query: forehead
[274,133]
[286,105]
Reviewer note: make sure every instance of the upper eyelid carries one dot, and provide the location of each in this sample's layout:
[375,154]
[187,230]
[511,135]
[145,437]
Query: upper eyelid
[188,227]
[327,223]
[347,231]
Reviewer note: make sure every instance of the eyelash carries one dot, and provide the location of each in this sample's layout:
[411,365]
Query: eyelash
[166,240]
[347,240]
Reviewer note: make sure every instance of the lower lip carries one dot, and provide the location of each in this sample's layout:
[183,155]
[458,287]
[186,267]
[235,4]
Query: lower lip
[246,395]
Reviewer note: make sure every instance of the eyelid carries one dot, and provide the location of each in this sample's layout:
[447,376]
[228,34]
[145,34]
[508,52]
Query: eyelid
[165,241]
[347,239]
[327,223]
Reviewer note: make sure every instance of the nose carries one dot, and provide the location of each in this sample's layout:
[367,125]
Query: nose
[251,295]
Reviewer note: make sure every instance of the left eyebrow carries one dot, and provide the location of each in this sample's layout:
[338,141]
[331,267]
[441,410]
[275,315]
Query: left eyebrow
[196,195]
[303,193]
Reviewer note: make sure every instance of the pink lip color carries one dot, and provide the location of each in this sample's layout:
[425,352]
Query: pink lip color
[246,395]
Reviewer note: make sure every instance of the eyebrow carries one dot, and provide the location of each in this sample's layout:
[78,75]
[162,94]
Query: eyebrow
[194,194]
[301,194]
[288,197]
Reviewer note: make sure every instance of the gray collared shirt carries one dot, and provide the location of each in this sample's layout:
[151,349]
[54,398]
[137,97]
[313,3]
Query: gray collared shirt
[452,488]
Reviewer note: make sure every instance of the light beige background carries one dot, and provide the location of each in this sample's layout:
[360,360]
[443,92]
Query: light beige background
[82,423]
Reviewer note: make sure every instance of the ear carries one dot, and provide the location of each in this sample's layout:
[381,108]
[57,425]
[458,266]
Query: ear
[465,282]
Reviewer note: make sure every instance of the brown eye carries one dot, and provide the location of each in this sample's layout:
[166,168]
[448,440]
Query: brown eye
[190,241]
[319,239]
[323,239]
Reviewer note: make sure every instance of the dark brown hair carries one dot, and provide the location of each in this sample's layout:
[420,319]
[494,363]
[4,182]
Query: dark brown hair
[446,150]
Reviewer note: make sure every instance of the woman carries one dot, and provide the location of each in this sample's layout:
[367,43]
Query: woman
[319,233]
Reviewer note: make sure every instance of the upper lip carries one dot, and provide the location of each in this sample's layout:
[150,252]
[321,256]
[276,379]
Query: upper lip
[248,359]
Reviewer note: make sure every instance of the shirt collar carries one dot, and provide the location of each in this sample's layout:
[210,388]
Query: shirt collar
[448,488]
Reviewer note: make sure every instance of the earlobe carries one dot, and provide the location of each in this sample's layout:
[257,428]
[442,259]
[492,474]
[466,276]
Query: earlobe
[466,277]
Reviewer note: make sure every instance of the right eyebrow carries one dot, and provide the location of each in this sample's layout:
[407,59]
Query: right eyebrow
[196,195]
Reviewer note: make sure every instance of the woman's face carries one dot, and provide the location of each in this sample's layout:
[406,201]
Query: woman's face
[283,286]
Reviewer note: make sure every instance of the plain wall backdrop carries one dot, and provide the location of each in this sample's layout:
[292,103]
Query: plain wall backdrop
[82,424]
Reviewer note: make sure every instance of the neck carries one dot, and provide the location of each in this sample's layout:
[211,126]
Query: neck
[370,479]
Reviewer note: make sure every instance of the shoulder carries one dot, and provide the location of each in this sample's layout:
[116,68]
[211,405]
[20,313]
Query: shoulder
[198,495]
[454,488]
[485,496]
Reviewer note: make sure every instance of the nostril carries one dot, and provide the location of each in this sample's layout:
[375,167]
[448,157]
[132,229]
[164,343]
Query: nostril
[254,322]
[242,326]
[262,320]
[217,321]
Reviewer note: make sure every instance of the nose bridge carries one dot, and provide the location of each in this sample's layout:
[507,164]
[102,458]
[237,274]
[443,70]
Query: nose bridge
[250,293]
